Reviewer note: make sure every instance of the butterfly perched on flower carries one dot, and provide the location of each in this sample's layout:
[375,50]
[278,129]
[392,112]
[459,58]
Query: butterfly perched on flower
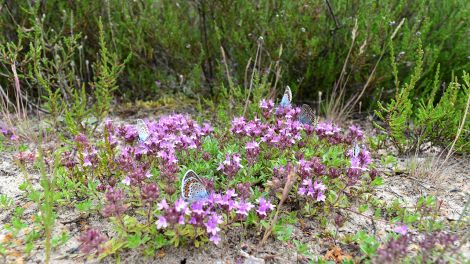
[356,150]
[286,98]
[142,129]
[307,115]
[192,188]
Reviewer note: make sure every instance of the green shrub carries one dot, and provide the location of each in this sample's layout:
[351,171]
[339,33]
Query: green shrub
[51,66]
[435,117]
[177,44]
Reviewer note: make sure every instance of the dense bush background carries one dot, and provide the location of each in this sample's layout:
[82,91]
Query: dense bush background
[176,45]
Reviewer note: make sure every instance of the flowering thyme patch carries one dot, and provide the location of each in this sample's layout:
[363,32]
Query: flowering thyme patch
[244,168]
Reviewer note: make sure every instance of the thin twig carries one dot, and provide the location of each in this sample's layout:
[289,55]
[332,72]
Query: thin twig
[330,10]
[20,106]
[336,98]
[355,99]
[278,69]
[229,78]
[252,76]
[285,192]
[459,131]
[248,64]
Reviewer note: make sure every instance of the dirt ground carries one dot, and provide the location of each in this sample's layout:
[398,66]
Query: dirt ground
[451,184]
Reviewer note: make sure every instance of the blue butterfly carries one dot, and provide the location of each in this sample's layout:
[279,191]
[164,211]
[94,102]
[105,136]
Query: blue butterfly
[286,98]
[192,188]
[356,150]
[307,115]
[142,129]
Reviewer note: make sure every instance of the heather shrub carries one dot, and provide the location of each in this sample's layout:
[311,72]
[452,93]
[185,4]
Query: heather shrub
[177,45]
[439,118]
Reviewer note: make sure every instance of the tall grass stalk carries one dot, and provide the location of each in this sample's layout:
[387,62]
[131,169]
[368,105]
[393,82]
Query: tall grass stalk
[255,67]
[335,102]
[47,205]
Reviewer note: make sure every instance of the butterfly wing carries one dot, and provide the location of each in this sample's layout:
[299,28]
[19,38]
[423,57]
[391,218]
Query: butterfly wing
[356,151]
[192,188]
[307,115]
[142,129]
[286,98]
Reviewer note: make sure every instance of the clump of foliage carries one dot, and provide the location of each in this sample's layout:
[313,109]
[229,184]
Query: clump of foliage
[419,235]
[436,117]
[50,65]
[247,164]
[135,183]
[430,247]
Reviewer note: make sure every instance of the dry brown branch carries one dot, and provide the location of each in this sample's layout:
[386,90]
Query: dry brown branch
[257,58]
[291,177]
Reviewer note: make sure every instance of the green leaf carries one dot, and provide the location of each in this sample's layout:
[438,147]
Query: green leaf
[284,232]
[411,218]
[133,241]
[363,208]
[84,206]
[18,224]
[377,181]
[160,241]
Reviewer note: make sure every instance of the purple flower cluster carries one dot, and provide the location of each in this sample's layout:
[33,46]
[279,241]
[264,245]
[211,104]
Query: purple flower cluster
[330,132]
[309,168]
[90,157]
[168,136]
[397,248]
[149,192]
[137,175]
[252,151]
[242,128]
[88,154]
[208,213]
[176,138]
[82,140]
[231,165]
[9,133]
[288,112]
[68,160]
[355,134]
[438,238]
[172,215]
[92,240]
[266,107]
[282,133]
[401,229]
[393,250]
[114,203]
[25,156]
[264,207]
[129,133]
[244,190]
[438,241]
[359,164]
[313,190]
